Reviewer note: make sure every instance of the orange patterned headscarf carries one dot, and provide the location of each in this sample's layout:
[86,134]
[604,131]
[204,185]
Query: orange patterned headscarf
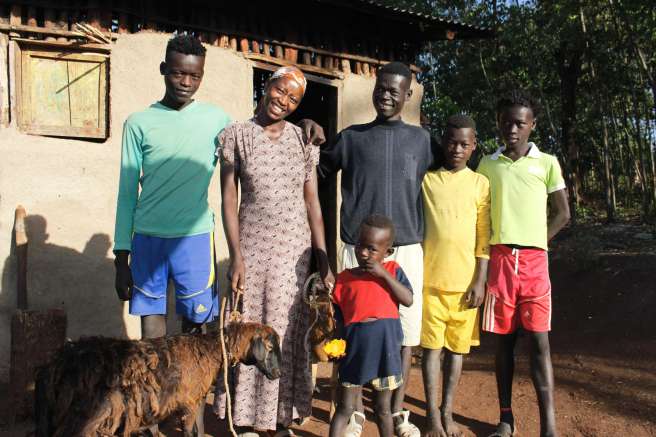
[294,73]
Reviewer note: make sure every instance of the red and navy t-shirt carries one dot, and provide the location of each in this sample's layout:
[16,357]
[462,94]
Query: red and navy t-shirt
[364,296]
[373,348]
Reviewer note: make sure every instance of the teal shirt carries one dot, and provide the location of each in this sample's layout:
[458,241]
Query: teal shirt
[167,161]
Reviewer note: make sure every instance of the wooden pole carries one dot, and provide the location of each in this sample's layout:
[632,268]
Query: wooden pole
[49,22]
[4,81]
[278,52]
[15,15]
[93,15]
[346,66]
[255,46]
[31,16]
[62,24]
[20,238]
[244,45]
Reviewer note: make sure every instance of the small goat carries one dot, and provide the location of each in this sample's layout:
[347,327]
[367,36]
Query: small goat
[103,387]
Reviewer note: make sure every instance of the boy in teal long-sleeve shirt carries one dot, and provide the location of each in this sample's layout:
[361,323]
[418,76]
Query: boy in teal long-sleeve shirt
[163,221]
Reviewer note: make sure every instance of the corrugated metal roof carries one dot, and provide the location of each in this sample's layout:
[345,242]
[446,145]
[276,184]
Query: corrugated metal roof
[429,25]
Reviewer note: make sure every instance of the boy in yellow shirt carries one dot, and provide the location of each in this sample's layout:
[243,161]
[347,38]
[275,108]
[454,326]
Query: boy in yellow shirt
[456,253]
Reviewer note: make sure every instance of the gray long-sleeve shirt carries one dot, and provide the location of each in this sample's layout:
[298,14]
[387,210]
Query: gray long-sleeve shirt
[383,164]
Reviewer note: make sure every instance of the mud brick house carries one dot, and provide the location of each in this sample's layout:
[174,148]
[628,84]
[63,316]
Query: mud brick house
[72,70]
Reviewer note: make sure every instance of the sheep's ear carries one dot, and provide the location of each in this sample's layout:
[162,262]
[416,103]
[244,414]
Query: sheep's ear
[259,349]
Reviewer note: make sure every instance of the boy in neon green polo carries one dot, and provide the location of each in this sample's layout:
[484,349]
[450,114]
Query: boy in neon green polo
[522,180]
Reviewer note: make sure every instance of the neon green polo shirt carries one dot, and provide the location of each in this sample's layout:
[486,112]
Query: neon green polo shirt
[518,195]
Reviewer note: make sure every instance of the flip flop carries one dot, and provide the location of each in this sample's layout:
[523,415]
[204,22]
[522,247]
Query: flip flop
[503,430]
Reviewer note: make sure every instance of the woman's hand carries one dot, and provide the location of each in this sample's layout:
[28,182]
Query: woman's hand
[328,279]
[326,273]
[237,275]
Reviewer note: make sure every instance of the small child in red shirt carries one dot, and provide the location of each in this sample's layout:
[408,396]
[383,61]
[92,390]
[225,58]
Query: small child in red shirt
[367,301]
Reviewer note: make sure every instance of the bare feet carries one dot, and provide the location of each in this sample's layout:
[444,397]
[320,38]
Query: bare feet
[450,426]
[435,429]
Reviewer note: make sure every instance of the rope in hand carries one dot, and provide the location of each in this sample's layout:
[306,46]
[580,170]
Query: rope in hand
[235,316]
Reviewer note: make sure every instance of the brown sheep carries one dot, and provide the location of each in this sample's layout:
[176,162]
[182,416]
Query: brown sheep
[103,387]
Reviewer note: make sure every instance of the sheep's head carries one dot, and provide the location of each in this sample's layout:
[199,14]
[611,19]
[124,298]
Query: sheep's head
[254,344]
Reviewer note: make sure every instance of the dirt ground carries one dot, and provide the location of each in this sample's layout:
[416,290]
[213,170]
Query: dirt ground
[603,347]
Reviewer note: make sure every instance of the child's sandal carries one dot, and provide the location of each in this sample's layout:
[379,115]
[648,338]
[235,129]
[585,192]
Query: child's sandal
[353,428]
[405,428]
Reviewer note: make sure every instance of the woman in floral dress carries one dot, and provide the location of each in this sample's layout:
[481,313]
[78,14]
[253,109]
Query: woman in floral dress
[271,237]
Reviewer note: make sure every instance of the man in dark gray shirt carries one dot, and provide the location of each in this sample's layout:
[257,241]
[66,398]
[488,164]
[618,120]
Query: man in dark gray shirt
[383,164]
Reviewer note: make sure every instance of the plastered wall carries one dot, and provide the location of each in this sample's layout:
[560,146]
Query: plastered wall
[68,188]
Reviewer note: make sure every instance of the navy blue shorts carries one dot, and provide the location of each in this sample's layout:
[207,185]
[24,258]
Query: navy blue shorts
[188,262]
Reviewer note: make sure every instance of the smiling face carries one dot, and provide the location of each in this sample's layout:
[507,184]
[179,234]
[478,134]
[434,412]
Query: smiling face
[182,77]
[373,244]
[515,125]
[458,145]
[283,95]
[390,94]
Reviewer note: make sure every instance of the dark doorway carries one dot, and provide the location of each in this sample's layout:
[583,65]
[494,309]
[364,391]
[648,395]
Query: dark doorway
[319,104]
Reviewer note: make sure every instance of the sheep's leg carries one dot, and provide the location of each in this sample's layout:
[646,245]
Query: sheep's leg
[197,328]
[190,427]
[199,422]
[153,326]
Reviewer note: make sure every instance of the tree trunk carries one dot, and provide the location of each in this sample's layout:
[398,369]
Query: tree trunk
[608,184]
[569,62]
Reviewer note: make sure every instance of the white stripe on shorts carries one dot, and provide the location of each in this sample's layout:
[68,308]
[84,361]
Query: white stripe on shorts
[488,313]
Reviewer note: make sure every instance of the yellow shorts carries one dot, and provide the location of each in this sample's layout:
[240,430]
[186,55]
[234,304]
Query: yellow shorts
[448,321]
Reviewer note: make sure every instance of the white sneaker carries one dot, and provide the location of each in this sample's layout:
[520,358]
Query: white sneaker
[353,428]
[405,428]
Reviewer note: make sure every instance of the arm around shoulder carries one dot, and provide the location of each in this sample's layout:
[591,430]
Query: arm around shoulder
[331,158]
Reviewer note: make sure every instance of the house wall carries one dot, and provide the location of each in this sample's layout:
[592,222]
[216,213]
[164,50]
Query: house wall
[68,188]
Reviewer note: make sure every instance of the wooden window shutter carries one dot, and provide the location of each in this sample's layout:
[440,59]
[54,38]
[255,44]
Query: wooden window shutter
[63,93]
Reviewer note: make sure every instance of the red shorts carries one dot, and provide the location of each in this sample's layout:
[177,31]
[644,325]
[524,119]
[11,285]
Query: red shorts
[518,291]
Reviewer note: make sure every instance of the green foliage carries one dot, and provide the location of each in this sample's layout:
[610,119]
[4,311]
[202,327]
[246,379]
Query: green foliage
[536,42]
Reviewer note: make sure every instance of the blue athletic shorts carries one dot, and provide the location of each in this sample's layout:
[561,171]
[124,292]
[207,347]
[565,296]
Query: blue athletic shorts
[188,262]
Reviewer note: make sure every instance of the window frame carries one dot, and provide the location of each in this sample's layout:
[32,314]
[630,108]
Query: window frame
[25,50]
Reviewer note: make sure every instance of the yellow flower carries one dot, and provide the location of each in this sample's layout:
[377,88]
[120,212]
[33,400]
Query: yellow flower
[335,348]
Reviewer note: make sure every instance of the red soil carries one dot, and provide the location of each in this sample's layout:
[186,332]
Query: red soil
[603,347]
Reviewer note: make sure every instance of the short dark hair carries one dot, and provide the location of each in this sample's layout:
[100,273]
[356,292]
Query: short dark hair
[398,68]
[518,97]
[460,121]
[185,44]
[379,221]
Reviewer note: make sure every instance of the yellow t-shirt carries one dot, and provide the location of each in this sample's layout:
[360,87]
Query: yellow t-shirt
[457,217]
